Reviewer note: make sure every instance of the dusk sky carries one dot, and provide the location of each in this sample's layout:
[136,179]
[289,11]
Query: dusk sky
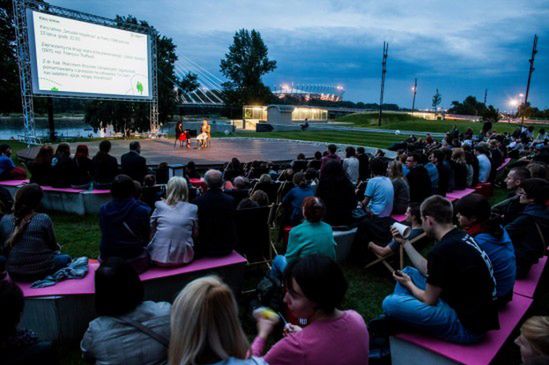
[459,47]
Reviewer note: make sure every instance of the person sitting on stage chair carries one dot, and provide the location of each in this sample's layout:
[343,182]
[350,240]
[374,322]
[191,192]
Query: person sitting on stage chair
[205,134]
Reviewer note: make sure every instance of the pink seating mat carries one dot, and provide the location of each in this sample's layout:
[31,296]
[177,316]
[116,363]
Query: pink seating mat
[85,286]
[13,182]
[458,194]
[481,353]
[61,190]
[504,163]
[399,217]
[526,287]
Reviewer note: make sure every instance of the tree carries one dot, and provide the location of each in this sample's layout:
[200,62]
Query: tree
[470,106]
[437,99]
[244,65]
[9,73]
[135,115]
[491,114]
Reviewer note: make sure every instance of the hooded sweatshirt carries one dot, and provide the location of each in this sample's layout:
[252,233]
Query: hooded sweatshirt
[527,238]
[124,228]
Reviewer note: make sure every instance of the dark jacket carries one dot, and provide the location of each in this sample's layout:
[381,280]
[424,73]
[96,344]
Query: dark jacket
[82,171]
[105,168]
[124,240]
[528,242]
[40,173]
[62,171]
[134,165]
[420,184]
[216,222]
[339,199]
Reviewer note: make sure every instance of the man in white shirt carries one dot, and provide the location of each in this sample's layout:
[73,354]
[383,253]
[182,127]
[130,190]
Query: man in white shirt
[350,164]
[484,164]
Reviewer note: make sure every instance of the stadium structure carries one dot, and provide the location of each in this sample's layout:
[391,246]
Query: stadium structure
[307,92]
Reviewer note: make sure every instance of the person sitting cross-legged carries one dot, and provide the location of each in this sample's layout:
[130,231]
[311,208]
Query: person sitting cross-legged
[450,295]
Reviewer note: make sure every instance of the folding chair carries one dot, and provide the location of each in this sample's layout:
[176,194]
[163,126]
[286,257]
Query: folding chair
[383,259]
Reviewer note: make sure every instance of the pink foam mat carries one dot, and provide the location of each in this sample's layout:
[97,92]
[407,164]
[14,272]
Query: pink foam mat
[504,163]
[399,217]
[527,286]
[458,194]
[62,190]
[85,286]
[13,182]
[483,352]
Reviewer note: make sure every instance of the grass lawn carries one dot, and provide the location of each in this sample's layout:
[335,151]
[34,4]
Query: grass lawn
[371,139]
[407,122]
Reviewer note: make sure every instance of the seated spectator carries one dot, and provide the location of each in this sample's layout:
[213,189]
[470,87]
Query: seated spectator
[174,224]
[484,164]
[205,328]
[534,340]
[40,167]
[105,166]
[233,169]
[82,167]
[351,165]
[62,167]
[331,155]
[461,169]
[470,158]
[133,164]
[379,193]
[150,192]
[418,179]
[474,215]
[8,170]
[258,199]
[537,169]
[433,175]
[413,219]
[190,171]
[162,173]
[337,193]
[400,187]
[299,164]
[529,230]
[123,331]
[315,286]
[510,208]
[28,238]
[363,164]
[293,200]
[437,158]
[216,219]
[442,296]
[310,237]
[316,162]
[266,184]
[496,157]
[19,346]
[240,189]
[124,223]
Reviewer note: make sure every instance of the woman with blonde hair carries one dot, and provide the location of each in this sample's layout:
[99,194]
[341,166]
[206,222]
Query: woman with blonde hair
[205,328]
[534,339]
[174,224]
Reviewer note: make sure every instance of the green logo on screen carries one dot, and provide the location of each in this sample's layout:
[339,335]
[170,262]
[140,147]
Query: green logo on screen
[140,87]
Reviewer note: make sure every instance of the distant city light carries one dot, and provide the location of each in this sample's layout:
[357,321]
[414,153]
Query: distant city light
[339,87]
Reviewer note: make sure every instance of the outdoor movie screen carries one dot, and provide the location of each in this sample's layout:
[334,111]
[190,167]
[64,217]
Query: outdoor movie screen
[81,59]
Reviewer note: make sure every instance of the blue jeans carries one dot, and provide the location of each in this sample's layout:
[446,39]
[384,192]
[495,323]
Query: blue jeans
[439,320]
[279,265]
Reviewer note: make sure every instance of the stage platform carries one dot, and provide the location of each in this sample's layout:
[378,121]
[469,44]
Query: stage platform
[219,151]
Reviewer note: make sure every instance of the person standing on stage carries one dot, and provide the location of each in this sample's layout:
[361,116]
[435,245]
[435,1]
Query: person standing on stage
[178,133]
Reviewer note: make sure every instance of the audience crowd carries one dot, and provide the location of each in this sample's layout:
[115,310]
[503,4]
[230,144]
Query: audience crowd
[454,293]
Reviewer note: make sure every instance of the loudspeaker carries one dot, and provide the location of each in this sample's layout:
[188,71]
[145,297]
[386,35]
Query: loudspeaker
[263,127]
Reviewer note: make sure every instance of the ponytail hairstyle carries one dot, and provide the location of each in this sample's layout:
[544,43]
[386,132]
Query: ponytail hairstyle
[477,206]
[27,199]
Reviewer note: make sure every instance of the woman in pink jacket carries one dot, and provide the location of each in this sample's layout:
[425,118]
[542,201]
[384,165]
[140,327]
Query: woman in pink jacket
[315,287]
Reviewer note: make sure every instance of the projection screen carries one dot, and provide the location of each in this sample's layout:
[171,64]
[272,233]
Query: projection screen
[75,58]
